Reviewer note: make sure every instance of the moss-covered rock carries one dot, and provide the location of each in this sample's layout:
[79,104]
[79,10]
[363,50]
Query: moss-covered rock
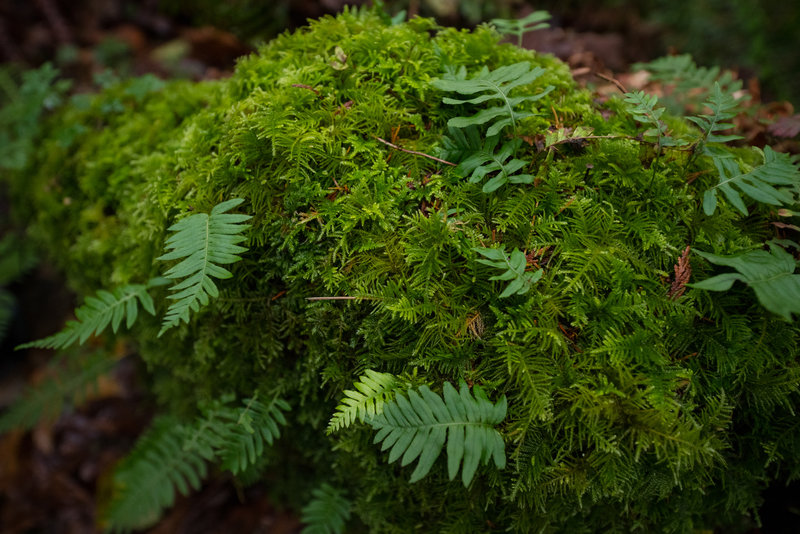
[629,406]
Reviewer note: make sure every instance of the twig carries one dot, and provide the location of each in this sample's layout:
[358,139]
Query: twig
[342,298]
[612,80]
[424,155]
[304,86]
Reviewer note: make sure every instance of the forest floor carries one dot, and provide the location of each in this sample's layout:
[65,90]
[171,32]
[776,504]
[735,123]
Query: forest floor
[50,477]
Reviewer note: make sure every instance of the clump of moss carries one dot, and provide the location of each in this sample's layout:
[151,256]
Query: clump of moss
[629,406]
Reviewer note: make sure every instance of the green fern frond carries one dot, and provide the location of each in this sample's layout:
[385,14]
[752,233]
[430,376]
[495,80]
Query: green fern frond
[770,274]
[373,389]
[487,161]
[242,432]
[419,426]
[146,481]
[204,242]
[493,85]
[98,312]
[514,266]
[519,27]
[759,184]
[68,386]
[327,512]
[642,107]
[723,107]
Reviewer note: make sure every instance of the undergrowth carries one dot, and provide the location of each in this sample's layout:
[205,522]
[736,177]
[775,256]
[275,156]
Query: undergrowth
[503,279]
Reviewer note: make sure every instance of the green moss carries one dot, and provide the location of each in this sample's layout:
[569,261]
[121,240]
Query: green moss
[627,409]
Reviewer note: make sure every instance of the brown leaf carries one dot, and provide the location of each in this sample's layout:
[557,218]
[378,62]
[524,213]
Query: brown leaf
[683,270]
[786,126]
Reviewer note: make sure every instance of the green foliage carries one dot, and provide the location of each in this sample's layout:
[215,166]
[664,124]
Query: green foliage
[203,242]
[69,381]
[514,267]
[373,389]
[97,312]
[172,456]
[723,107]
[327,512]
[769,274]
[487,161]
[759,183]
[519,27]
[643,108]
[419,427]
[489,86]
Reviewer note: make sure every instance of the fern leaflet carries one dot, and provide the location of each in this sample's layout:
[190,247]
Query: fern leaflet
[373,389]
[486,161]
[643,109]
[492,85]
[514,266]
[98,312]
[327,512]
[203,242]
[759,184]
[419,426]
[770,274]
[519,27]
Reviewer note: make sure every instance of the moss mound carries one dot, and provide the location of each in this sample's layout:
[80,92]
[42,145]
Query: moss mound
[633,401]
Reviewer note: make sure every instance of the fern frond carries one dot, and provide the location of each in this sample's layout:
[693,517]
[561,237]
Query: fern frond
[723,106]
[372,390]
[514,267]
[146,481]
[204,242]
[493,85]
[68,386]
[242,432]
[759,184]
[97,313]
[419,426]
[327,512]
[643,108]
[770,274]
[486,161]
[519,27]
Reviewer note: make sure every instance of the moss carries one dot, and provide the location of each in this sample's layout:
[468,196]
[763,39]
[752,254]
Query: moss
[627,409]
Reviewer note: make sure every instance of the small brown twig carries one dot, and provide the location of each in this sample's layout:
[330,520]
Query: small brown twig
[304,86]
[424,155]
[612,80]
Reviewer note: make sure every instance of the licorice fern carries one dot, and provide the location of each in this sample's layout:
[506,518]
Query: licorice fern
[419,426]
[493,85]
[759,184]
[173,457]
[519,27]
[723,107]
[327,512]
[514,267]
[97,312]
[372,390]
[486,161]
[203,242]
[643,108]
[769,274]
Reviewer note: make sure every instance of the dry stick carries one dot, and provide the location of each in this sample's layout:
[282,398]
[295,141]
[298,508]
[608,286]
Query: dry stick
[424,155]
[612,80]
[342,298]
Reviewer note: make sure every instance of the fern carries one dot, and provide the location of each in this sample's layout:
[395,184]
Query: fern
[327,512]
[643,108]
[373,389]
[419,426]
[514,267]
[759,183]
[241,433]
[97,312]
[723,107]
[204,242]
[493,85]
[486,161]
[770,274]
[68,386]
[172,457]
[147,479]
[519,27]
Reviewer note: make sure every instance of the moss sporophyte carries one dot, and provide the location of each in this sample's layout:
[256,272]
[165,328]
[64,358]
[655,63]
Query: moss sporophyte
[569,314]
